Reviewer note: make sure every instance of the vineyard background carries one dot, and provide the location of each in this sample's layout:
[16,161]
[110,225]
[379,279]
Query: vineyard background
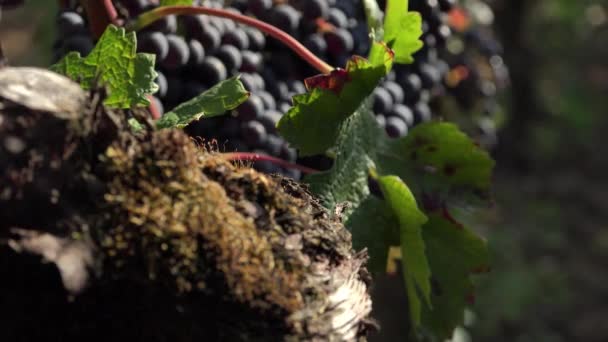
[548,231]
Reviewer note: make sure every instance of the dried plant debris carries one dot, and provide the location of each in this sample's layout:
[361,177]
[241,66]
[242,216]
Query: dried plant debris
[156,237]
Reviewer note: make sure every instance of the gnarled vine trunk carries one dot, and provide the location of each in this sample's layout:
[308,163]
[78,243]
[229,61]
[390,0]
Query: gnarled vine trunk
[110,234]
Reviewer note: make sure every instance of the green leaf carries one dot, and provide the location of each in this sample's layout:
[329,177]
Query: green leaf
[363,145]
[454,253]
[313,123]
[374,226]
[176,2]
[402,30]
[129,76]
[220,98]
[439,156]
[416,271]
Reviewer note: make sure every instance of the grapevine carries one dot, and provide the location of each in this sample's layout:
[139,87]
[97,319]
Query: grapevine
[365,135]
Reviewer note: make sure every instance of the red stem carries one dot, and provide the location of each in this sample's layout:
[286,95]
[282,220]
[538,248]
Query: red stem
[261,157]
[149,17]
[100,14]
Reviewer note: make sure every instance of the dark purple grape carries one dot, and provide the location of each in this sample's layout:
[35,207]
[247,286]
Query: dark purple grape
[69,23]
[251,109]
[167,24]
[288,153]
[257,41]
[230,56]
[153,42]
[161,81]
[382,100]
[339,42]
[273,145]
[279,90]
[260,7]
[179,52]
[267,99]
[269,119]
[197,52]
[254,133]
[248,82]
[237,38]
[422,113]
[313,9]
[429,75]
[316,44]
[337,18]
[210,37]
[297,87]
[252,61]
[212,70]
[403,112]
[79,43]
[395,127]
[285,17]
[411,84]
[395,90]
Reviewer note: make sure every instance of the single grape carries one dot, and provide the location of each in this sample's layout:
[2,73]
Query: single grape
[285,17]
[237,38]
[179,52]
[339,42]
[230,56]
[212,70]
[337,17]
[395,90]
[251,109]
[197,52]
[382,100]
[153,42]
[403,112]
[395,127]
[161,81]
[254,133]
[69,23]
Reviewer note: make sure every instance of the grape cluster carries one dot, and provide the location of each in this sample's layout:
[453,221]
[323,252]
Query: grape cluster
[195,52]
[477,72]
[73,33]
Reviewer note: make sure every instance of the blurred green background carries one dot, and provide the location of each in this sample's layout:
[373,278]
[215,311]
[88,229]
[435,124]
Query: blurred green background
[549,228]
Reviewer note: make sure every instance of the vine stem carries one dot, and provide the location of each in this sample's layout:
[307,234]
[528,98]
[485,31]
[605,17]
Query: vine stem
[149,17]
[260,157]
[100,14]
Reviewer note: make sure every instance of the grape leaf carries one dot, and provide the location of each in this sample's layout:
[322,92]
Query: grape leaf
[313,123]
[129,76]
[402,30]
[440,157]
[220,98]
[454,253]
[361,146]
[176,2]
[416,271]
[375,227]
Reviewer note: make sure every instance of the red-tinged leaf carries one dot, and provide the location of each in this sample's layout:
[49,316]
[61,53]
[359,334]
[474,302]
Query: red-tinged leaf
[313,123]
[334,81]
